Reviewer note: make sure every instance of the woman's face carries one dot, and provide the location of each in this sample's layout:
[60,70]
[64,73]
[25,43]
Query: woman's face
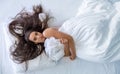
[36,37]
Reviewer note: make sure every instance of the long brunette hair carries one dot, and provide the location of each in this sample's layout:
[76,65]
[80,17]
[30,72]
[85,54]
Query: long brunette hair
[23,50]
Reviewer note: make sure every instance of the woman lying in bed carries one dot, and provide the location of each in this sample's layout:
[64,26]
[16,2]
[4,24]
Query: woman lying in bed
[91,36]
[31,31]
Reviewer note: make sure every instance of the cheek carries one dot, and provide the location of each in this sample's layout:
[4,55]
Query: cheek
[42,39]
[39,40]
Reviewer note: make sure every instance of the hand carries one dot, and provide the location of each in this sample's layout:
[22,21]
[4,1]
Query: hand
[63,40]
[72,57]
[66,46]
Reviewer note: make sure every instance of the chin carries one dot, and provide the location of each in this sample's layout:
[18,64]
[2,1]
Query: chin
[44,40]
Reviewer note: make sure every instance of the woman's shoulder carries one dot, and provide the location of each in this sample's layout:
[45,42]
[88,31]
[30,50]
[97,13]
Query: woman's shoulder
[50,29]
[49,32]
[53,32]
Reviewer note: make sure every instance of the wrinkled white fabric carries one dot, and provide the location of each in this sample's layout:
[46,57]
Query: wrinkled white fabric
[117,6]
[96,6]
[96,35]
[54,49]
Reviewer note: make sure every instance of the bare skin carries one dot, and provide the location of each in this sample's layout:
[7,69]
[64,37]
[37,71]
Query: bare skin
[67,40]
[66,46]
[36,37]
[52,32]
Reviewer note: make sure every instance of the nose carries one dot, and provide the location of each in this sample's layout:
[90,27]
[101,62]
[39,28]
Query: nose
[39,36]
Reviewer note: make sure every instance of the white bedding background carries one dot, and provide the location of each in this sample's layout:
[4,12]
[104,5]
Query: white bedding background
[96,31]
[61,10]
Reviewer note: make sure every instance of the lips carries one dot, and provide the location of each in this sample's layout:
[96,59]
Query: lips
[42,38]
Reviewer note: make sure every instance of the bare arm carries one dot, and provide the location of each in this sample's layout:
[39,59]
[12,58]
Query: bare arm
[66,46]
[51,32]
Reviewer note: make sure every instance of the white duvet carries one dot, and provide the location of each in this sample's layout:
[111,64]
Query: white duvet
[96,34]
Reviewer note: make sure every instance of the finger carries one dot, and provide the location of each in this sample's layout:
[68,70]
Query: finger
[72,57]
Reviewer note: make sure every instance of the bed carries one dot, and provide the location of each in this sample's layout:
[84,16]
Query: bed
[61,10]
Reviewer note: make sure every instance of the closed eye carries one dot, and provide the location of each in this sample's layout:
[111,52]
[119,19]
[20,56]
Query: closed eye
[34,38]
[36,33]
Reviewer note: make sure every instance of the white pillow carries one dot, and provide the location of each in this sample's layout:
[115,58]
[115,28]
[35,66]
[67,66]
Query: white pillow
[39,63]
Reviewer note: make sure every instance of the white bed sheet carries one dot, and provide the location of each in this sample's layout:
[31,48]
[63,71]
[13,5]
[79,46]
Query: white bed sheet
[65,66]
[78,66]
